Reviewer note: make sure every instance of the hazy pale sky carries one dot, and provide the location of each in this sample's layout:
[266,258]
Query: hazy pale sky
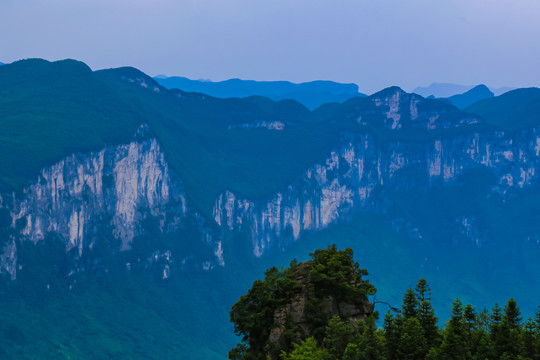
[374,43]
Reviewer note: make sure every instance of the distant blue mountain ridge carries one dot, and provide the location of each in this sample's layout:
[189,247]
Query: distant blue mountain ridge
[316,93]
[311,94]
[446,90]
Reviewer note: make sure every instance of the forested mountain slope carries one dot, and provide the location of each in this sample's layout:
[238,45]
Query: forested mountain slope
[107,175]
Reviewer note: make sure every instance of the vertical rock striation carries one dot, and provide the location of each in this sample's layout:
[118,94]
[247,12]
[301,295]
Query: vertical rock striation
[348,180]
[115,188]
[121,188]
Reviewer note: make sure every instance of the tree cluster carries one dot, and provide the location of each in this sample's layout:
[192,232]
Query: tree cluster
[413,334]
[331,277]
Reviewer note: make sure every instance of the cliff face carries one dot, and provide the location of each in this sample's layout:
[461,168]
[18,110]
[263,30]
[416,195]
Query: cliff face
[121,187]
[349,179]
[116,188]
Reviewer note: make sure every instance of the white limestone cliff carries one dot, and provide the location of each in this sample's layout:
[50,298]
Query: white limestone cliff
[331,191]
[119,185]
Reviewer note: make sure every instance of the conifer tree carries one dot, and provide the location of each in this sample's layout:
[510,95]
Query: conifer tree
[428,321]
[527,340]
[512,314]
[483,320]
[391,327]
[470,318]
[537,333]
[457,313]
[411,334]
[426,314]
[339,333]
[483,348]
[423,291]
[412,342]
[478,324]
[454,341]
[368,344]
[410,305]
[509,331]
[497,331]
[496,318]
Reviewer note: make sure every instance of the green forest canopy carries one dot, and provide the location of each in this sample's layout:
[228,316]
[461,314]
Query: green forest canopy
[411,332]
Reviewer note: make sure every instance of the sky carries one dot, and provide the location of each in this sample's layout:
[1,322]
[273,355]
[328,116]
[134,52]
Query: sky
[373,43]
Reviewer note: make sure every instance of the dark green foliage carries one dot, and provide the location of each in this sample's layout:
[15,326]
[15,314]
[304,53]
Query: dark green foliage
[455,341]
[49,110]
[369,342]
[414,334]
[339,333]
[332,275]
[470,318]
[508,336]
[392,334]
[428,320]
[496,317]
[306,350]
[528,340]
[317,314]
[412,342]
[423,291]
[335,273]
[253,314]
[483,320]
[512,314]
[409,308]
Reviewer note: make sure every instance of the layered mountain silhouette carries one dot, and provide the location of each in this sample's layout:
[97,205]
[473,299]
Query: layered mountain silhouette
[441,90]
[516,109]
[310,94]
[446,90]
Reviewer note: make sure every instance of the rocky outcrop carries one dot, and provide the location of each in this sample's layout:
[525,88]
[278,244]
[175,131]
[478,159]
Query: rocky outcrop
[296,311]
[117,189]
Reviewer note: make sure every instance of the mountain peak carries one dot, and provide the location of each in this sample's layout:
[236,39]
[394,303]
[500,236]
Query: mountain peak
[389,91]
[480,89]
[41,66]
[135,76]
[477,93]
